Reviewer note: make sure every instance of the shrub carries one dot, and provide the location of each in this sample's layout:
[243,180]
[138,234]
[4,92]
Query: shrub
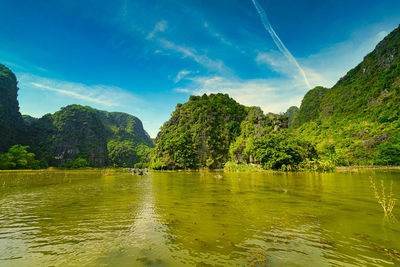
[317,165]
[158,165]
[388,153]
[281,149]
[18,157]
[233,166]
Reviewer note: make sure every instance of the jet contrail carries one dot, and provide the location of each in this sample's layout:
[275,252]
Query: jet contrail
[278,42]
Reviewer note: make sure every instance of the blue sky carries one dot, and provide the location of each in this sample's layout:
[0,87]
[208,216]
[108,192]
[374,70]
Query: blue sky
[145,56]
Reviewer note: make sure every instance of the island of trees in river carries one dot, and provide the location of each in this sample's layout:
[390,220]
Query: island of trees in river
[356,122]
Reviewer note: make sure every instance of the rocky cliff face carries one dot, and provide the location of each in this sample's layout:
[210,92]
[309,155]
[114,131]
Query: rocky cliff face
[74,131]
[123,126]
[127,142]
[278,121]
[11,122]
[291,113]
[310,106]
[100,137]
[80,133]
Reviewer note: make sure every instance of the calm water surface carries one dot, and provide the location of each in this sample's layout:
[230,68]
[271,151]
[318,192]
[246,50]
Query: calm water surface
[98,218]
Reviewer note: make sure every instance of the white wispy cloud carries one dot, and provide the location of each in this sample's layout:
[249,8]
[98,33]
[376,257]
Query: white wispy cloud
[160,26]
[278,42]
[103,95]
[166,46]
[276,62]
[191,53]
[182,90]
[181,75]
[218,35]
[185,51]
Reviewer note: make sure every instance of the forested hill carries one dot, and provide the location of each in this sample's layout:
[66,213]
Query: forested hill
[124,126]
[73,132]
[75,136]
[210,130]
[102,138]
[10,118]
[357,120]
[127,141]
[199,132]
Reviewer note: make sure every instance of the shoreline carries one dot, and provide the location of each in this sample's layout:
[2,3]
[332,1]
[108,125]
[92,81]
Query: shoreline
[356,168]
[337,169]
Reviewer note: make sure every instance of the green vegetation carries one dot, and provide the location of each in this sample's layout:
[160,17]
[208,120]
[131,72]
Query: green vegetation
[384,197]
[208,131]
[262,142]
[75,164]
[199,133]
[310,106]
[28,120]
[74,137]
[234,166]
[317,165]
[18,158]
[388,153]
[281,150]
[98,137]
[357,121]
[128,144]
[291,113]
[71,133]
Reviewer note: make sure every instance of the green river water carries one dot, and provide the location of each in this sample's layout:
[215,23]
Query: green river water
[106,218]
